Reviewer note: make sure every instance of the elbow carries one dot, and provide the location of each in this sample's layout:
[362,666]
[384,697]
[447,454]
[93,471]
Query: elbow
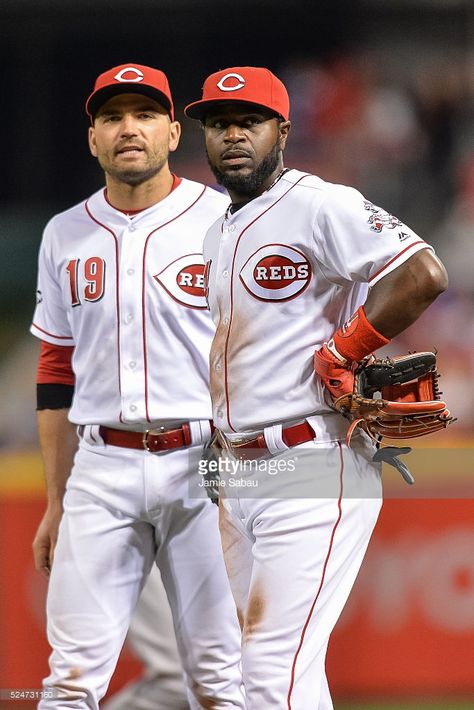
[429,278]
[435,281]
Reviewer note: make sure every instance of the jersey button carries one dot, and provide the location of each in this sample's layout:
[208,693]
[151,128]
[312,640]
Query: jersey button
[129,318]
[218,366]
[130,272]
[232,227]
[220,413]
[133,408]
[132,364]
[225,321]
[132,227]
[225,273]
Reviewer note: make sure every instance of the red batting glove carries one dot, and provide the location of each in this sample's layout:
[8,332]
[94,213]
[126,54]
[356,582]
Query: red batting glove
[336,373]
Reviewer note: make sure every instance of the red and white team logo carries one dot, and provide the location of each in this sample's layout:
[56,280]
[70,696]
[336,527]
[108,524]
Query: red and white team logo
[231,82]
[276,272]
[379,218]
[129,74]
[183,280]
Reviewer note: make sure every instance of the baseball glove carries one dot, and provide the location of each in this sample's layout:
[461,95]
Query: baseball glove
[408,404]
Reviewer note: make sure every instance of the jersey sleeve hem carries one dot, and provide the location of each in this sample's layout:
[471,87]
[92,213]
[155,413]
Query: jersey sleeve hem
[398,260]
[52,338]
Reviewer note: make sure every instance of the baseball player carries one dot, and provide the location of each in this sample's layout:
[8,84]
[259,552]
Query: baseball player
[121,314]
[296,266]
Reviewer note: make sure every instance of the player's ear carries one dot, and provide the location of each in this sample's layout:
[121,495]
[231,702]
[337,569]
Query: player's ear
[284,128]
[175,134]
[92,142]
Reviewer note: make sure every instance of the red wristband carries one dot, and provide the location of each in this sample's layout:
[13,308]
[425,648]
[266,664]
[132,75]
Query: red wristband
[358,338]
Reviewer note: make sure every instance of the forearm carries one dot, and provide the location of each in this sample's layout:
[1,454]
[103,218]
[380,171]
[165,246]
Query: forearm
[393,304]
[58,444]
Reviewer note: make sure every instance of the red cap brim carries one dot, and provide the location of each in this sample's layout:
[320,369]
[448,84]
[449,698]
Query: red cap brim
[99,97]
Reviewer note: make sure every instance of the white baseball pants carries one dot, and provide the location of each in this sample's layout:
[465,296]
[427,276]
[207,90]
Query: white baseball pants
[151,636]
[124,509]
[292,560]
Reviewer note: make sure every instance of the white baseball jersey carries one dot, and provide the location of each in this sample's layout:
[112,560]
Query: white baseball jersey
[283,272]
[128,293]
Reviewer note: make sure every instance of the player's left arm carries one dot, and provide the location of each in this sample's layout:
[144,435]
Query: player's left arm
[395,302]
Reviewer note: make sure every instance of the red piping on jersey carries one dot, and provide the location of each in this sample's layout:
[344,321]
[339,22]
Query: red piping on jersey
[226,347]
[52,335]
[410,246]
[326,561]
[117,307]
[145,359]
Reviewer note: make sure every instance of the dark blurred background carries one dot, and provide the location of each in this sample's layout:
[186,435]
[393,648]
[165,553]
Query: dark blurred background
[382,98]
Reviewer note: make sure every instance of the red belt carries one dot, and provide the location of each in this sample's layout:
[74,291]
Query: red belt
[257,448]
[152,440]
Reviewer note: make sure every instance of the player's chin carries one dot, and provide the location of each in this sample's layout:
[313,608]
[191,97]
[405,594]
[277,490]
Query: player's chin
[131,162]
[236,168]
[135,177]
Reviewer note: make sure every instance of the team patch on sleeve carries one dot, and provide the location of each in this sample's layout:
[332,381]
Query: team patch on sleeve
[276,272]
[183,280]
[379,218]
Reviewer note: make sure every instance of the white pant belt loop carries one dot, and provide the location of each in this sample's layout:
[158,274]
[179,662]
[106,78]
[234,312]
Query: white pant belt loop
[200,431]
[273,439]
[90,433]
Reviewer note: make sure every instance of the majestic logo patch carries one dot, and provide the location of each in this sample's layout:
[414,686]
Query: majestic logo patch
[276,272]
[379,218]
[183,280]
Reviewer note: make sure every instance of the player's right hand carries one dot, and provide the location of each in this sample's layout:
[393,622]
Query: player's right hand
[45,539]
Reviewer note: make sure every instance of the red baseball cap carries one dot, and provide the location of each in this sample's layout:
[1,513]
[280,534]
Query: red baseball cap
[133,79]
[254,85]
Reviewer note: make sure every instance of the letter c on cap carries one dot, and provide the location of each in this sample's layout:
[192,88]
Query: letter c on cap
[138,75]
[233,87]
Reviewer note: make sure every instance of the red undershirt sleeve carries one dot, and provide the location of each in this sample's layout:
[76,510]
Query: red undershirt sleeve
[54,364]
[55,377]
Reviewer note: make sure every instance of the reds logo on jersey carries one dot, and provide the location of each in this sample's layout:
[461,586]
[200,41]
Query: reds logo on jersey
[380,218]
[183,280]
[276,272]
